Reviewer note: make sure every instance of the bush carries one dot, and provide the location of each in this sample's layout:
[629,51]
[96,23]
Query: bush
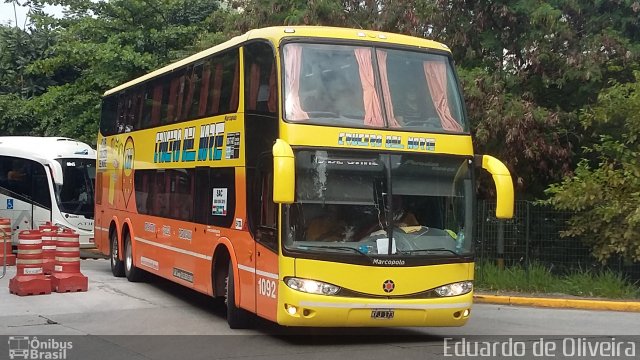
[539,279]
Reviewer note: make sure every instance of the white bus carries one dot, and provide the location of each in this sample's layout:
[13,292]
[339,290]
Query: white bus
[47,179]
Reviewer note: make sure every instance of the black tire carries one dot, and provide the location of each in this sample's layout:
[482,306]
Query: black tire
[117,265]
[130,270]
[236,317]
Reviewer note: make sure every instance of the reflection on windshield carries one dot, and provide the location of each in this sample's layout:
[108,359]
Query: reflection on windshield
[336,85]
[343,203]
[75,195]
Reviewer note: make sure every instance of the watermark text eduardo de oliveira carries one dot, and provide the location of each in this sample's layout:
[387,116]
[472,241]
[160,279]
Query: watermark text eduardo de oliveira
[568,347]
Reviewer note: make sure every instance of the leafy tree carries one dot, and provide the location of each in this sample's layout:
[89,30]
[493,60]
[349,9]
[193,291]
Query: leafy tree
[604,193]
[103,44]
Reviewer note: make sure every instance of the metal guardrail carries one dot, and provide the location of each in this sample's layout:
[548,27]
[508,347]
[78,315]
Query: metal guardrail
[533,238]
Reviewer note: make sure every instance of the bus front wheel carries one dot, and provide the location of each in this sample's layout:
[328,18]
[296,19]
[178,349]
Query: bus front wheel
[117,265]
[236,317]
[130,270]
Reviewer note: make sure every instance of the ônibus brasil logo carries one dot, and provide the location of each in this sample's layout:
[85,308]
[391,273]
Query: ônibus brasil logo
[31,348]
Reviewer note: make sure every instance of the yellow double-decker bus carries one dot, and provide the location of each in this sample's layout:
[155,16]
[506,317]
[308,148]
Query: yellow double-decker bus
[312,176]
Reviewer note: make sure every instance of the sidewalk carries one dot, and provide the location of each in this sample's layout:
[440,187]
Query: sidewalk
[557,301]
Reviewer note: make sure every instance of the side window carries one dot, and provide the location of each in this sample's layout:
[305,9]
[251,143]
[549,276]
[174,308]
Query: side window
[181,194]
[26,179]
[41,193]
[268,210]
[265,209]
[195,87]
[260,78]
[203,202]
[108,117]
[223,77]
[223,196]
[19,177]
[136,112]
[174,101]
[159,194]
[142,180]
[216,204]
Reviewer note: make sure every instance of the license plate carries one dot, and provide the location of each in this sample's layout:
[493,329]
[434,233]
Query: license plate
[382,314]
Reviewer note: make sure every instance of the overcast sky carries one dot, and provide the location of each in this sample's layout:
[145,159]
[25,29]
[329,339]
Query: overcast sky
[7,15]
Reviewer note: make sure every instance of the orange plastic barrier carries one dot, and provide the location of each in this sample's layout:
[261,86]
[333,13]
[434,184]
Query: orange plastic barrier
[66,275]
[49,242]
[29,279]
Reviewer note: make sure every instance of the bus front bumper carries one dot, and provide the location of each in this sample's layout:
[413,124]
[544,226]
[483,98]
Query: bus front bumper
[303,309]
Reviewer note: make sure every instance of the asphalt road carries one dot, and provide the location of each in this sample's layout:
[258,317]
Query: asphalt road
[118,314]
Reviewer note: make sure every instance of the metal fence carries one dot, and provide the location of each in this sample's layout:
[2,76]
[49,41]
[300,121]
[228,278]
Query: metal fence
[533,236]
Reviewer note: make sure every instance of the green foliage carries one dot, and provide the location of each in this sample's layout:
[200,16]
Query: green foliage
[63,66]
[539,279]
[15,117]
[600,284]
[605,188]
[536,279]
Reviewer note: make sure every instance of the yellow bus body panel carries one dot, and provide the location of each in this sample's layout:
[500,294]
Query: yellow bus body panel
[389,140]
[330,311]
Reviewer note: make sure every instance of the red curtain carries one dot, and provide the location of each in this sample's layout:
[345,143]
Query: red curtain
[216,91]
[254,84]
[204,89]
[372,111]
[157,104]
[233,104]
[436,74]
[293,62]
[191,82]
[272,102]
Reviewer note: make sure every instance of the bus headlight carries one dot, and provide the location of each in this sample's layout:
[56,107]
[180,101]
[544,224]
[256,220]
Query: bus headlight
[455,289]
[311,286]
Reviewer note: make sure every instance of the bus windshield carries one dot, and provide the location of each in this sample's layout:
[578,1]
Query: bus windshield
[343,200]
[75,195]
[357,86]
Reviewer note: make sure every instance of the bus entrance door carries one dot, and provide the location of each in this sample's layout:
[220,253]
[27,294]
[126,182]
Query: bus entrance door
[266,251]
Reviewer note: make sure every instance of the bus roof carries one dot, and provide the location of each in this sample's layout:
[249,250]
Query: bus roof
[37,148]
[278,33]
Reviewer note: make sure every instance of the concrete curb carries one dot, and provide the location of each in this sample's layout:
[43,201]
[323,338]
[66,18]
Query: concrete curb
[629,306]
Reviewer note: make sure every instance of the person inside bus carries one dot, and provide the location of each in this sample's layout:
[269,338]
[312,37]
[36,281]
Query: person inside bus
[17,172]
[409,111]
[403,218]
[414,112]
[328,226]
[17,177]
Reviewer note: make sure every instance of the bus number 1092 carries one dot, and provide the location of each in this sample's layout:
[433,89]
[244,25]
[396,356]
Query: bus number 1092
[267,288]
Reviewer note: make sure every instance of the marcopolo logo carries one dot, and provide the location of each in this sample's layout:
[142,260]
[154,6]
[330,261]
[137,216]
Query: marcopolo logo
[25,347]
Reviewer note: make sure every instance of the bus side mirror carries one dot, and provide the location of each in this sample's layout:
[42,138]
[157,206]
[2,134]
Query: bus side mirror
[504,186]
[284,173]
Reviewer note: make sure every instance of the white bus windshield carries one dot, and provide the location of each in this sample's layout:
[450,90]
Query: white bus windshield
[357,86]
[75,195]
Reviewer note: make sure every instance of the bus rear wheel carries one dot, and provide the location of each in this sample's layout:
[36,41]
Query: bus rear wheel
[130,270]
[236,317]
[117,265]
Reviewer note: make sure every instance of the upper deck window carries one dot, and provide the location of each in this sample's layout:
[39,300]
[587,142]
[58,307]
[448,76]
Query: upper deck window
[355,86]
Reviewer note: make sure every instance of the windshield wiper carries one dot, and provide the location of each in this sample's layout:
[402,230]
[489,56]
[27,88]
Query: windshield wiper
[410,252]
[343,248]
